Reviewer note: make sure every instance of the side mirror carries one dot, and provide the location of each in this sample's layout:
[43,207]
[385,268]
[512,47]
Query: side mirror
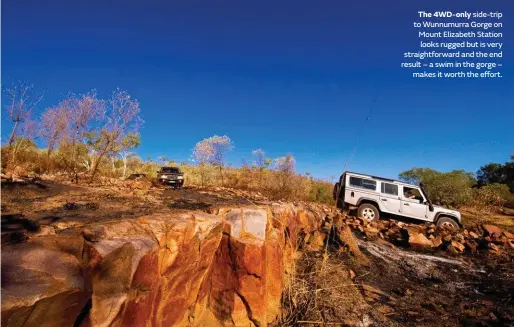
[430,207]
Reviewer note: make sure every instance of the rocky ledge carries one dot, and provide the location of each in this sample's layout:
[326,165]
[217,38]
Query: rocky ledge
[227,267]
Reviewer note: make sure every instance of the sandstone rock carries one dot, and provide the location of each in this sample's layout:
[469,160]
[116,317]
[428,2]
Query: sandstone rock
[472,246]
[491,230]
[316,241]
[494,248]
[41,286]
[371,232]
[418,240]
[473,235]
[508,235]
[436,241]
[458,246]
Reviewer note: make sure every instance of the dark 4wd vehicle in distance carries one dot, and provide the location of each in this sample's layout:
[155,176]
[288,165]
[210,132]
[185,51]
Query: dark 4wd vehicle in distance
[170,176]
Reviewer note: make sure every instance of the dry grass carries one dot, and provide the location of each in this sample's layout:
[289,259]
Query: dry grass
[322,293]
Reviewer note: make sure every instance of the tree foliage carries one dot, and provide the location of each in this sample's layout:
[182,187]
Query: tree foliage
[451,189]
[495,173]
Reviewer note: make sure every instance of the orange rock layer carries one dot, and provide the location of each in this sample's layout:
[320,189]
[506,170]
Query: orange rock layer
[227,268]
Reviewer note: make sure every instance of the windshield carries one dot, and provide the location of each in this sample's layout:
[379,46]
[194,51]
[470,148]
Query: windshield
[170,170]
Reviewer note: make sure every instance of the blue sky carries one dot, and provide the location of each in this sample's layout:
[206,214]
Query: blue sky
[286,76]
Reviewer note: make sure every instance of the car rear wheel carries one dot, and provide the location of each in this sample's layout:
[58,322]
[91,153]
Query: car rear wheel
[447,221]
[368,212]
[335,191]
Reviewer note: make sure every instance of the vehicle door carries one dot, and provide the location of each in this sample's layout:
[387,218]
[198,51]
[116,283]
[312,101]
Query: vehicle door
[389,198]
[413,203]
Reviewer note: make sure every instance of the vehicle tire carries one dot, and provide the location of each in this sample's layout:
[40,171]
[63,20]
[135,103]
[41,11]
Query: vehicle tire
[368,212]
[335,191]
[447,221]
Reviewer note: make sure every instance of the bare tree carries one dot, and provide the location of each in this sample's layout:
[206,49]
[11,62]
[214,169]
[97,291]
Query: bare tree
[21,100]
[259,156]
[261,162]
[54,123]
[212,151]
[81,113]
[122,117]
[163,160]
[285,164]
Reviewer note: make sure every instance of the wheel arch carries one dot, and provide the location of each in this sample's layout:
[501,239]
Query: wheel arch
[369,201]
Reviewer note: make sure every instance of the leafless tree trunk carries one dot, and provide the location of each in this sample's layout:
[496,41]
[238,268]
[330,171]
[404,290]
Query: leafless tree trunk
[125,155]
[21,99]
[54,123]
[13,132]
[82,112]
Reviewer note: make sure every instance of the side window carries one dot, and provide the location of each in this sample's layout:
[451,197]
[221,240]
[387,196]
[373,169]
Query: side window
[389,188]
[364,183]
[412,193]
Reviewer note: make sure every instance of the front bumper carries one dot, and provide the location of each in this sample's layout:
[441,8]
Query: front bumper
[179,182]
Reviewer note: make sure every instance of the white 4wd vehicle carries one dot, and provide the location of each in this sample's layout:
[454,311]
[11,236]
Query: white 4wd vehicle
[372,195]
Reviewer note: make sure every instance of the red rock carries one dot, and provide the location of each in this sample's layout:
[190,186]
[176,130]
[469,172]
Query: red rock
[41,286]
[473,235]
[492,230]
[418,240]
[316,241]
[472,246]
[436,241]
[192,269]
[508,235]
[458,246]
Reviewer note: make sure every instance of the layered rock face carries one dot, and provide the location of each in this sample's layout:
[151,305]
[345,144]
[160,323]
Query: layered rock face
[227,268]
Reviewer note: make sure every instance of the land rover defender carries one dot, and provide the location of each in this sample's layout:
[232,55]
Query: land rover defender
[372,195]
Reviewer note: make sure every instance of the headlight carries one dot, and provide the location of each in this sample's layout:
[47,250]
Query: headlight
[180,177]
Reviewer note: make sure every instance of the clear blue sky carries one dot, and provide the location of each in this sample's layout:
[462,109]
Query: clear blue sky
[286,76]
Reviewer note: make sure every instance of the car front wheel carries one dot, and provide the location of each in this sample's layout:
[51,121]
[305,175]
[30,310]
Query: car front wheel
[447,221]
[368,212]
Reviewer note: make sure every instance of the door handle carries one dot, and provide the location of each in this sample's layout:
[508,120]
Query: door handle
[384,199]
[406,204]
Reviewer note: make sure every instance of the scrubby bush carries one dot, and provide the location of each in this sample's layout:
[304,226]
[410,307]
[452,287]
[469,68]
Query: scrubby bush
[490,198]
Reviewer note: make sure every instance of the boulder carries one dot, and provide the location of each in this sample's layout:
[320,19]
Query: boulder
[419,240]
[508,235]
[42,285]
[436,241]
[458,246]
[473,235]
[491,230]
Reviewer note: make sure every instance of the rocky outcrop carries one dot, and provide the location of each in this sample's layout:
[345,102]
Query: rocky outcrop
[43,282]
[484,238]
[226,268]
